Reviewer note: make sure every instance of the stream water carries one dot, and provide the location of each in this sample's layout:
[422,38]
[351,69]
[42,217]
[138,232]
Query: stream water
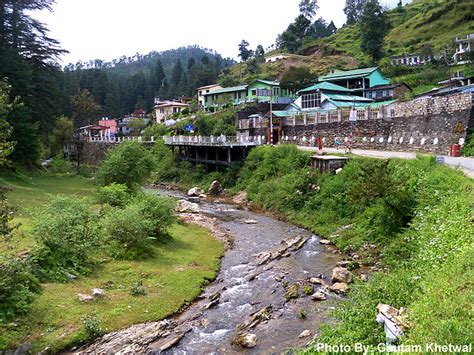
[245,287]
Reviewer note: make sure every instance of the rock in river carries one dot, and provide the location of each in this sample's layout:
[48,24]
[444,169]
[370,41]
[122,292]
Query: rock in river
[318,296]
[246,340]
[340,274]
[304,334]
[195,192]
[240,198]
[215,188]
[184,206]
[339,287]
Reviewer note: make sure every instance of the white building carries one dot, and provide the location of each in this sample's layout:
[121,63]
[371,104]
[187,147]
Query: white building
[464,46]
[203,90]
[163,110]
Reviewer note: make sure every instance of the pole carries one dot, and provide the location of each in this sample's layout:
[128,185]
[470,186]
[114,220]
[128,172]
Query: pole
[271,115]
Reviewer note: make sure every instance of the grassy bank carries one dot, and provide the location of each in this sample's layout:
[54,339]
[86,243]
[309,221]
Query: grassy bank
[135,291]
[411,219]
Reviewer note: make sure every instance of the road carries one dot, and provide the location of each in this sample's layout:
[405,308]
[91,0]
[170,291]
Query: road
[464,163]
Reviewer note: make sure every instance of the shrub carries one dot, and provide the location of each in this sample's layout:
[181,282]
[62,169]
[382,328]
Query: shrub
[116,195]
[59,165]
[18,286]
[156,131]
[128,232]
[137,289]
[130,164]
[68,233]
[92,327]
[159,211]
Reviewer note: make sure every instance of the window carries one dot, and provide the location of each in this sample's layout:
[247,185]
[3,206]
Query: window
[200,93]
[379,94]
[162,110]
[254,92]
[311,100]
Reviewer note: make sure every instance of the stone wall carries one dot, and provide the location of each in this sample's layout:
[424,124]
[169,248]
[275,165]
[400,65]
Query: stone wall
[429,125]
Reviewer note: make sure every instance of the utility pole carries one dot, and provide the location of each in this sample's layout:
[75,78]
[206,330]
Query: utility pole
[271,116]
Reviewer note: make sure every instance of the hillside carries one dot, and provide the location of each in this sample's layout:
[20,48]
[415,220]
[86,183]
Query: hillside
[422,26]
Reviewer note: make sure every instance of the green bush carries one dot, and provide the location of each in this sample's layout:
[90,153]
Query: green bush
[128,232]
[68,233]
[18,287]
[92,327]
[59,165]
[159,211]
[137,289]
[156,131]
[130,164]
[116,195]
[133,229]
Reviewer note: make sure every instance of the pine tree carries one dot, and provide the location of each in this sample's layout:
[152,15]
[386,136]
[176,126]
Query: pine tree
[374,26]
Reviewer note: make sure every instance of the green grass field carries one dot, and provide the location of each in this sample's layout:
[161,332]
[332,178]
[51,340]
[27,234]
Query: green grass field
[174,276]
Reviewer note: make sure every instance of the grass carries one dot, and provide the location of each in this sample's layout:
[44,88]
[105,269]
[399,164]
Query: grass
[174,276]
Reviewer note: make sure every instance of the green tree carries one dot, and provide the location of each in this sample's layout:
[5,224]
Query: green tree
[130,163]
[292,38]
[374,26]
[136,125]
[297,78]
[244,52]
[353,10]
[308,8]
[84,108]
[62,133]
[6,145]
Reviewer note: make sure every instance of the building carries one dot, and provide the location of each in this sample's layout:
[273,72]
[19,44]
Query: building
[358,80]
[464,47]
[165,109]
[234,95]
[411,59]
[311,98]
[112,126]
[272,58]
[268,91]
[203,90]
[388,92]
[257,91]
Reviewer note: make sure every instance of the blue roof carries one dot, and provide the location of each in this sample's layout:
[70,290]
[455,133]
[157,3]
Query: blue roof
[342,97]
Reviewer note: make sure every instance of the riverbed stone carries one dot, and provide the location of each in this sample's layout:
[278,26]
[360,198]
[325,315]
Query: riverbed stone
[325,242]
[215,188]
[247,340]
[339,287]
[240,198]
[318,296]
[184,206]
[195,192]
[304,334]
[340,274]
[250,221]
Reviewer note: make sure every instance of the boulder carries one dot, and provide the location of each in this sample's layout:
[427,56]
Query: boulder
[98,292]
[317,281]
[340,274]
[364,277]
[215,188]
[325,242]
[195,192]
[202,196]
[292,292]
[339,287]
[184,206]
[304,334]
[250,221]
[247,340]
[318,296]
[240,198]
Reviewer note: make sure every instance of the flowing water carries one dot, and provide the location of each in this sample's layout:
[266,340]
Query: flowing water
[246,287]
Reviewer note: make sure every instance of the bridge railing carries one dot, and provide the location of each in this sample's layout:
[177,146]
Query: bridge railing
[214,140]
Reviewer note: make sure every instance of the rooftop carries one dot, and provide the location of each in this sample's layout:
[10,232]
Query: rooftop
[351,98]
[325,86]
[171,103]
[356,73]
[229,89]
[207,86]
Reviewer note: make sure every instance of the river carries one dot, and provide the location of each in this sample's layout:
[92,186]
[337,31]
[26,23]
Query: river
[247,283]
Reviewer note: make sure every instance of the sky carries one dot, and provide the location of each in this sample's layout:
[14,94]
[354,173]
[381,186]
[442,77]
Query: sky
[108,29]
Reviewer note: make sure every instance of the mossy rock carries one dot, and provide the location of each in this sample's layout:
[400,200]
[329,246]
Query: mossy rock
[292,292]
[308,289]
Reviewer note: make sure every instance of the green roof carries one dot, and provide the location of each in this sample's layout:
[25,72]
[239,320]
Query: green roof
[325,86]
[339,103]
[341,97]
[229,89]
[349,74]
[283,113]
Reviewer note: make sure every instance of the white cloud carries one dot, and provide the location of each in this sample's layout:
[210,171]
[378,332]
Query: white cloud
[107,29]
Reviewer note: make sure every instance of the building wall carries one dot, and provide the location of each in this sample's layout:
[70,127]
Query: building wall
[429,125]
